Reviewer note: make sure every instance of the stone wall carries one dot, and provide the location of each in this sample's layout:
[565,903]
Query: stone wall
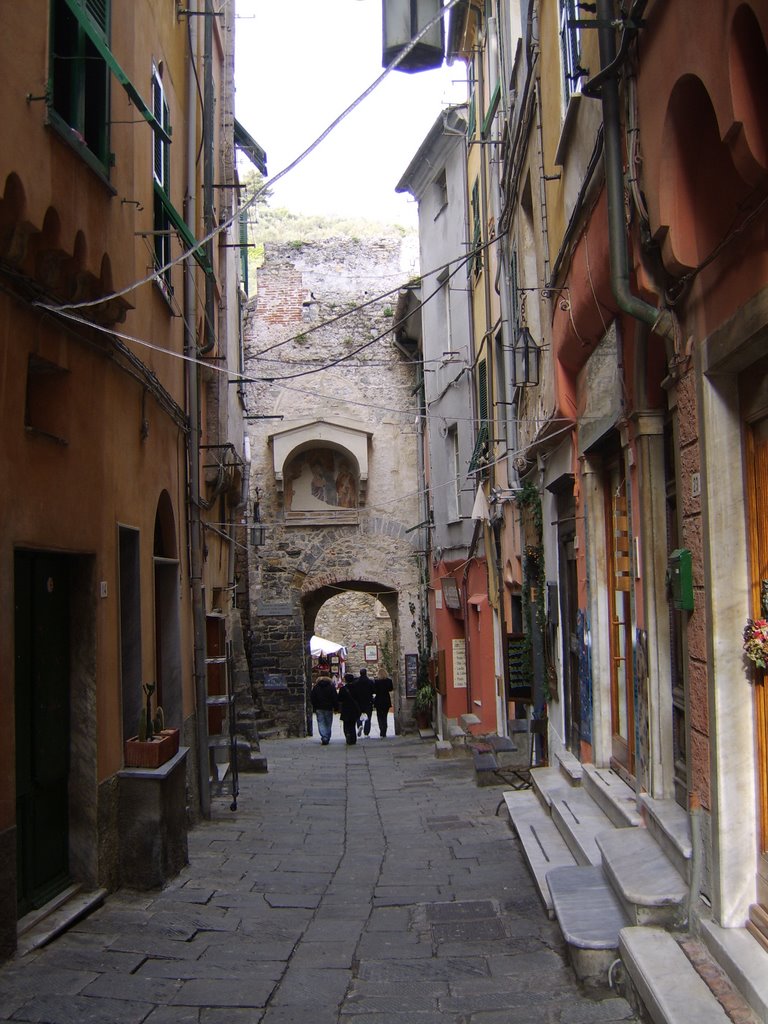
[356,620]
[312,354]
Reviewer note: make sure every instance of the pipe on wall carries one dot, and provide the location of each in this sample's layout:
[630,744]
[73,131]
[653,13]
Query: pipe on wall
[660,321]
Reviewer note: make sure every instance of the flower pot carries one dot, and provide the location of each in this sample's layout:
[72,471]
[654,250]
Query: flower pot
[151,753]
[423,719]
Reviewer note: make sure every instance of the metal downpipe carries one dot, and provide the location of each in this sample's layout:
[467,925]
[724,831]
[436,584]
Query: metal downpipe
[193,453]
[660,321]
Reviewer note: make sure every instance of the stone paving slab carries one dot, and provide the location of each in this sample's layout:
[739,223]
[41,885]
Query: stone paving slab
[398,898]
[51,1009]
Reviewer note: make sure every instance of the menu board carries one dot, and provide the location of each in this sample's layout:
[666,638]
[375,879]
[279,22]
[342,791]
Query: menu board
[518,660]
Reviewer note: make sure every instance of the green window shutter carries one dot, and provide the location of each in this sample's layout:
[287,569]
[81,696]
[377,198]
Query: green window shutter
[95,34]
[492,108]
[476,263]
[480,454]
[482,392]
[188,239]
[248,145]
[472,119]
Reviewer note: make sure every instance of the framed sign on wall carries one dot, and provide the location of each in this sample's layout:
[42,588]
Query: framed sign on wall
[411,674]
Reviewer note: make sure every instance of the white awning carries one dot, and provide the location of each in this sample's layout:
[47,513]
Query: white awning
[318,646]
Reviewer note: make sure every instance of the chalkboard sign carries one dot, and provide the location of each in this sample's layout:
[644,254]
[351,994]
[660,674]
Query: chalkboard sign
[411,674]
[518,660]
[275,681]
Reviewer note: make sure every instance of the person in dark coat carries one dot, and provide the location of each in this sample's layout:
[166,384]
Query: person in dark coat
[382,702]
[324,701]
[362,691]
[349,711]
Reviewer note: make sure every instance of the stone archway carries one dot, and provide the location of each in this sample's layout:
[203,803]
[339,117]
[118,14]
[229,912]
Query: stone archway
[358,629]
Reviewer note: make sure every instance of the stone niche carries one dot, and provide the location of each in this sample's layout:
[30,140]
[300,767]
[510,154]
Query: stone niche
[321,470]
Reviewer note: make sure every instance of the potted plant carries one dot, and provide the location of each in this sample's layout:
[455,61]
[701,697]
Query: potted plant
[154,744]
[422,705]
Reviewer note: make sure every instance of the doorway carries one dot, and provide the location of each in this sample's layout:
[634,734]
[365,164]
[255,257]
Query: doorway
[42,700]
[619,587]
[757,493]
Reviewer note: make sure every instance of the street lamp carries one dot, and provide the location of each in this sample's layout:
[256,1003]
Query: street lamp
[403,20]
[525,360]
[258,529]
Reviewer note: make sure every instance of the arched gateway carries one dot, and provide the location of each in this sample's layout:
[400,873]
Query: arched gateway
[335,453]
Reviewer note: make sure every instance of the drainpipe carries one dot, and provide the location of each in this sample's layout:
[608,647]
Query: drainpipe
[193,449]
[660,321]
[208,124]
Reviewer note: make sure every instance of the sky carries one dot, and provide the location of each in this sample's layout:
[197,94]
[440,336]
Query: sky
[298,65]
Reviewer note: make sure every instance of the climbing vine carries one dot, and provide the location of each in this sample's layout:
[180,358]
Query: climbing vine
[532,594]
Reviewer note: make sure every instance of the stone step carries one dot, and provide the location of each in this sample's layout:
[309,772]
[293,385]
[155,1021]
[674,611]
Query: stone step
[651,890]
[508,753]
[590,917]
[614,797]
[43,926]
[456,735]
[743,959]
[543,846]
[486,767]
[671,828]
[545,782]
[570,767]
[665,980]
[579,819]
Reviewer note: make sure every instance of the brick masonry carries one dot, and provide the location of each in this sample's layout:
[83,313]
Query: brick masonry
[311,352]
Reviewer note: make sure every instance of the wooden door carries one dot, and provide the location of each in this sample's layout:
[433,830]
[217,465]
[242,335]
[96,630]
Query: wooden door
[757,486]
[42,630]
[619,584]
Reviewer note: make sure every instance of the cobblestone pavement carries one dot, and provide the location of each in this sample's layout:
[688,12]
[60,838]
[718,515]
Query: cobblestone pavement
[371,884]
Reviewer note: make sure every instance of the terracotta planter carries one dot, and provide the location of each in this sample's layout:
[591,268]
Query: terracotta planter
[151,753]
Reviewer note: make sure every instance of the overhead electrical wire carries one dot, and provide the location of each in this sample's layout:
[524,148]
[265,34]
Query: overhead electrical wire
[303,373]
[226,224]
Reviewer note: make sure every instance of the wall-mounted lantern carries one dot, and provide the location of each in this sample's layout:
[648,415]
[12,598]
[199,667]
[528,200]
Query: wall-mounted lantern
[525,360]
[403,20]
[258,529]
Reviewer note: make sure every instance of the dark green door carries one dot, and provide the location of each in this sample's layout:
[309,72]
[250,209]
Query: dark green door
[42,628]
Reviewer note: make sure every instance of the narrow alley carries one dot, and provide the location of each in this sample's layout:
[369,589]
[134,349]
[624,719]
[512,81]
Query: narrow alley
[362,884]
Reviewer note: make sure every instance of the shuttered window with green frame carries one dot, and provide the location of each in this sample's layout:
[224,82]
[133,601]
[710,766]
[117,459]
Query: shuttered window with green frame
[480,454]
[476,262]
[78,88]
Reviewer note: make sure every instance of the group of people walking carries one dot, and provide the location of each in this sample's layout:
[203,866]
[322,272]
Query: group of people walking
[355,701]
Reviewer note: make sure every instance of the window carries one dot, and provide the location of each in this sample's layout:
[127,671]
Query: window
[161,176]
[441,193]
[481,452]
[455,475]
[472,118]
[482,392]
[78,103]
[443,298]
[476,263]
[514,285]
[570,47]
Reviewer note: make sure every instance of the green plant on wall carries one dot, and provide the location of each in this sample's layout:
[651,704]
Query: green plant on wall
[386,653]
[423,634]
[533,588]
